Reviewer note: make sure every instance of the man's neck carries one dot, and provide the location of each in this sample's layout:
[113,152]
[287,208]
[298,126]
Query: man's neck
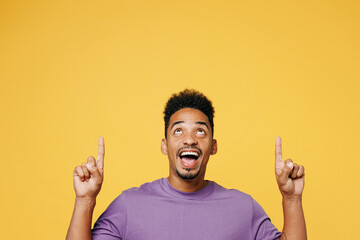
[187,185]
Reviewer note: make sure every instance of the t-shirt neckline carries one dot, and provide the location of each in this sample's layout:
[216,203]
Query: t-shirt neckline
[205,191]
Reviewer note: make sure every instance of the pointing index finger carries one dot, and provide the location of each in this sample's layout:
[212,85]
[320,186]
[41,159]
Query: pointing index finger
[100,156]
[278,154]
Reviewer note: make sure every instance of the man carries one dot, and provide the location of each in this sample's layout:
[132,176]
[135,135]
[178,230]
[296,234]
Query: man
[185,205]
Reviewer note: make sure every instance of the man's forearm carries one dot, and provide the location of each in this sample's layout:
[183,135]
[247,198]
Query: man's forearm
[294,220]
[80,225]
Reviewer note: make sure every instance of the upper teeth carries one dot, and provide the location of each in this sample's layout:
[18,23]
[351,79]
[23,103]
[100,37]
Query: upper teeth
[189,153]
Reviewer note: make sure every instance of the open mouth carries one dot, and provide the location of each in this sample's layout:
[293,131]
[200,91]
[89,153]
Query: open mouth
[189,157]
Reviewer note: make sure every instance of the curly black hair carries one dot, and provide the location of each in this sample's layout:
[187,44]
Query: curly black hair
[188,98]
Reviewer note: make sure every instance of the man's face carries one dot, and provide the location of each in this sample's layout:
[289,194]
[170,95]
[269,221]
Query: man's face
[189,143]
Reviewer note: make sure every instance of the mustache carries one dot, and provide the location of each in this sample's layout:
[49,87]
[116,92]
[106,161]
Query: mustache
[189,147]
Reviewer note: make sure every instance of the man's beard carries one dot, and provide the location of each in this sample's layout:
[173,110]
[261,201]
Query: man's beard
[188,175]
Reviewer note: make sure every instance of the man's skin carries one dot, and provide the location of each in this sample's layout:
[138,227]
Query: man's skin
[189,130]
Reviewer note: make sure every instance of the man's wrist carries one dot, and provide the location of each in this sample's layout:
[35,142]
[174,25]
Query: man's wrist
[85,202]
[294,201]
[291,197]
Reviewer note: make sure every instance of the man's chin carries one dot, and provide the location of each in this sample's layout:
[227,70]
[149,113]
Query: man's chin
[188,174]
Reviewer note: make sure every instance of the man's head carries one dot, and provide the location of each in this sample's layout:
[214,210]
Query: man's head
[189,134]
[189,98]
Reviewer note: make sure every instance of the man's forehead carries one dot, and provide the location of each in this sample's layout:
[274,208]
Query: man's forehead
[189,115]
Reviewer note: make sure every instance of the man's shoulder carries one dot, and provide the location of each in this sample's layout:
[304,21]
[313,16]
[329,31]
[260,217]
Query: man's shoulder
[145,188]
[230,192]
[137,193]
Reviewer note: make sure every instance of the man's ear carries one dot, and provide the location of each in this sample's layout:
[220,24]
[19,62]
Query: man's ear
[214,147]
[164,146]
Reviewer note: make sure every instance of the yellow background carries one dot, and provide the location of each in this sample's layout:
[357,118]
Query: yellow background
[72,71]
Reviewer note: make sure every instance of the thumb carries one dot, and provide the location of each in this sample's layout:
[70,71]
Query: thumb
[284,175]
[91,166]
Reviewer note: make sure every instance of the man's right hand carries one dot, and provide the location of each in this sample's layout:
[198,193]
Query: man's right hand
[88,177]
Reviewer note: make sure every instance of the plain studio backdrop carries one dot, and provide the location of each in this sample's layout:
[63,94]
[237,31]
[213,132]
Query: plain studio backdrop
[72,71]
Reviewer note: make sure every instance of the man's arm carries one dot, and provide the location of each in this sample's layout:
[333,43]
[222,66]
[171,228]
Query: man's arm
[88,179]
[294,221]
[290,179]
[80,225]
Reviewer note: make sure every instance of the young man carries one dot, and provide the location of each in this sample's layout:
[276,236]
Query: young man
[185,205]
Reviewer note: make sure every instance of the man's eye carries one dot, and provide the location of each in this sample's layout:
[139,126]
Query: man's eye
[177,131]
[201,132]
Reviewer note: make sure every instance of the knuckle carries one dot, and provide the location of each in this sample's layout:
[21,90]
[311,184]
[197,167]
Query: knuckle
[77,168]
[79,171]
[92,169]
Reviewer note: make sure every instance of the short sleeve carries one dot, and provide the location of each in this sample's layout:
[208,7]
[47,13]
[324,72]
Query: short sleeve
[112,222]
[262,228]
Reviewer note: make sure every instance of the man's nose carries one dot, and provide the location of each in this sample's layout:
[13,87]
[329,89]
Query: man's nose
[189,139]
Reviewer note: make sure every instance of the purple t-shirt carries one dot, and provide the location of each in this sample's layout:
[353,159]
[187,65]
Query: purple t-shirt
[157,211]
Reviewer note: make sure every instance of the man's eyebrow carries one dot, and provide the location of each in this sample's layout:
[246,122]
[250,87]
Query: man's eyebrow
[199,122]
[203,123]
[177,122]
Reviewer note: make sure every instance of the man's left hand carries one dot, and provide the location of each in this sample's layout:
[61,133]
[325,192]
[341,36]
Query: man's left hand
[289,176]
